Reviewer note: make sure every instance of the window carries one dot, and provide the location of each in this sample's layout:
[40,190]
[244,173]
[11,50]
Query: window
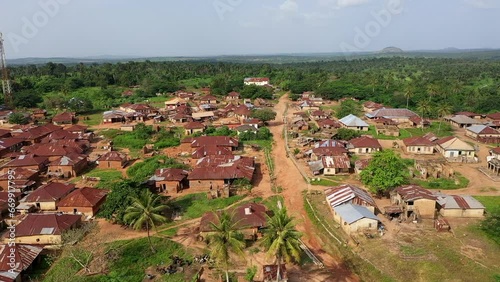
[369,225]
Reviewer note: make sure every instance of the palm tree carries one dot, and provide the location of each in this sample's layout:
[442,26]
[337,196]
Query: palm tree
[145,210]
[442,110]
[432,90]
[281,239]
[225,240]
[409,92]
[424,106]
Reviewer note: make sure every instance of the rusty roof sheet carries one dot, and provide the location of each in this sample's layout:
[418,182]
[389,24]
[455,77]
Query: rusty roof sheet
[341,161]
[194,125]
[251,215]
[210,150]
[83,197]
[233,170]
[364,142]
[50,192]
[113,156]
[9,142]
[345,193]
[329,151]
[19,173]
[46,224]
[23,257]
[417,141]
[414,192]
[27,160]
[220,141]
[169,174]
[64,117]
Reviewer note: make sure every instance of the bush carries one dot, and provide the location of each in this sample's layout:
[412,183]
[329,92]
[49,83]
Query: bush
[250,274]
[142,171]
[172,142]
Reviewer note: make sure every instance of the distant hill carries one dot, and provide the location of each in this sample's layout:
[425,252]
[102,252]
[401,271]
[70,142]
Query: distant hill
[389,50]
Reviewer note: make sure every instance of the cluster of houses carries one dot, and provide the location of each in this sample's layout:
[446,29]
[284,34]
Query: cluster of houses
[355,210]
[481,128]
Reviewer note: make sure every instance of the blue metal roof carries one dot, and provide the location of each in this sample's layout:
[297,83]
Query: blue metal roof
[351,213]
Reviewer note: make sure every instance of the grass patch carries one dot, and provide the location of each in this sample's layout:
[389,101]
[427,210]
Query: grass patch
[272,202]
[170,232]
[412,251]
[489,202]
[457,182]
[264,144]
[195,205]
[92,119]
[323,182]
[107,177]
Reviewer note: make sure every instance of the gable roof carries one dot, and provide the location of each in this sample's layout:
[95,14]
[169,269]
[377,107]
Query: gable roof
[251,215]
[15,259]
[353,121]
[169,174]
[39,131]
[462,202]
[364,142]
[494,116]
[194,125]
[391,113]
[63,117]
[210,150]
[345,193]
[50,192]
[46,224]
[112,156]
[330,151]
[69,160]
[219,141]
[9,142]
[83,197]
[414,192]
[27,160]
[461,119]
[341,161]
[351,213]
[235,169]
[482,129]
[453,143]
[417,141]
[495,150]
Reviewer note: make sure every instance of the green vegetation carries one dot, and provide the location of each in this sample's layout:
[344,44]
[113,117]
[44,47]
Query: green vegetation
[457,182]
[250,273]
[92,119]
[489,202]
[18,118]
[346,134]
[107,177]
[348,107]
[272,202]
[195,205]
[264,115]
[386,170]
[323,182]
[145,210]
[141,171]
[263,133]
[142,135]
[254,92]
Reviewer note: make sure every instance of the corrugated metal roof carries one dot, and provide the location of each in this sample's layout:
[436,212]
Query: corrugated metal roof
[352,213]
[345,193]
[353,121]
[414,192]
[83,197]
[341,161]
[34,224]
[458,202]
[24,255]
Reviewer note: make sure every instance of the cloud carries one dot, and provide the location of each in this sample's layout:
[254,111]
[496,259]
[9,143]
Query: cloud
[338,4]
[482,4]
[289,6]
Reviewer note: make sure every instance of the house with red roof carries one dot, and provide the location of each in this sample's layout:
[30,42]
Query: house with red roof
[494,116]
[44,229]
[29,161]
[233,96]
[259,81]
[169,180]
[208,99]
[414,202]
[364,145]
[249,219]
[483,133]
[21,179]
[83,201]
[349,194]
[47,196]
[193,127]
[419,145]
[112,160]
[16,260]
[64,118]
[34,135]
[328,124]
[67,166]
[9,145]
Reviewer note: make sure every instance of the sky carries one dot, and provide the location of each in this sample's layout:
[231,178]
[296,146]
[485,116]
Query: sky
[90,28]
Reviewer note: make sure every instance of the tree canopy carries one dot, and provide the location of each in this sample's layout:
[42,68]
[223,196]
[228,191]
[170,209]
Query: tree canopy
[264,115]
[386,171]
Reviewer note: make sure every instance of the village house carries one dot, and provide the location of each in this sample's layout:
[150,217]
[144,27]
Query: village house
[47,196]
[218,141]
[242,112]
[39,114]
[9,145]
[245,128]
[34,135]
[16,260]
[64,118]
[259,81]
[459,206]
[21,179]
[317,153]
[414,202]
[83,201]
[334,165]
[233,96]
[298,124]
[469,114]
[28,162]
[364,145]
[175,103]
[483,133]
[113,159]
[328,124]
[353,122]
[211,150]
[456,150]
[52,151]
[249,219]
[255,122]
[418,145]
[45,229]
[400,116]
[494,116]
[435,168]
[370,106]
[203,116]
[113,116]
[185,95]
[302,115]
[495,153]
[208,99]
[318,115]
[193,127]
[77,129]
[171,180]
[349,194]
[308,106]
[67,166]
[461,121]
[353,218]
[307,95]
[360,165]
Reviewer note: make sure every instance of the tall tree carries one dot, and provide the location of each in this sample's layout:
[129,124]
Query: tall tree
[409,92]
[281,239]
[146,210]
[442,110]
[386,170]
[424,107]
[225,240]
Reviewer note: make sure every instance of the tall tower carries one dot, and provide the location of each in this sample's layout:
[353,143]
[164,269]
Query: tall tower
[6,87]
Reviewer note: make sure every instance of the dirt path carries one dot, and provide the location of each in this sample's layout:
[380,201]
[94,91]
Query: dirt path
[290,179]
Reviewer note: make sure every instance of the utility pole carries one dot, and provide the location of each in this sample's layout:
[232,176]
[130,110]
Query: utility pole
[6,87]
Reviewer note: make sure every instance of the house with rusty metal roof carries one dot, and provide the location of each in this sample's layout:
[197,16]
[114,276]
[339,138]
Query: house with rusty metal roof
[418,145]
[14,260]
[168,180]
[44,229]
[219,141]
[334,165]
[85,201]
[67,166]
[399,116]
[21,179]
[414,201]
[249,219]
[459,206]
[112,160]
[30,161]
[349,194]
[483,133]
[47,196]
[364,145]
[63,118]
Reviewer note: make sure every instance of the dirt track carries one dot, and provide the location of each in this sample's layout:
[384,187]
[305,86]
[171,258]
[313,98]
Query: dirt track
[290,179]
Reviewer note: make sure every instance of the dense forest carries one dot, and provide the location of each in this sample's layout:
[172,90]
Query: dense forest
[428,85]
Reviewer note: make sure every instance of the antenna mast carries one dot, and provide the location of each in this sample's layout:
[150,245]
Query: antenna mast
[6,87]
